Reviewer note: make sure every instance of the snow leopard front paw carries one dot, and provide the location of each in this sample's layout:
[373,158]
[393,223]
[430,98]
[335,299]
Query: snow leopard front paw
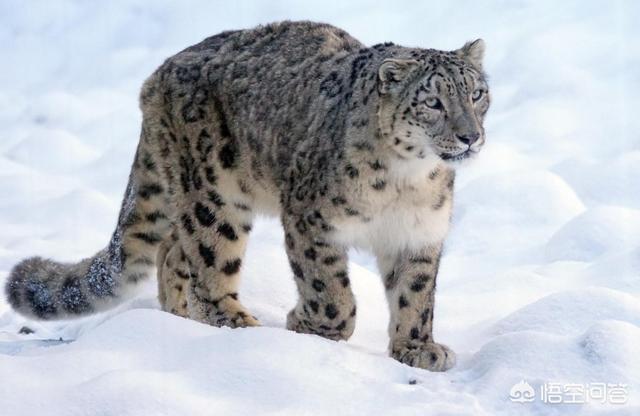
[430,356]
[341,330]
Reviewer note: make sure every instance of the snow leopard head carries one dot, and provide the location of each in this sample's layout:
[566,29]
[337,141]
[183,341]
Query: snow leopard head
[433,102]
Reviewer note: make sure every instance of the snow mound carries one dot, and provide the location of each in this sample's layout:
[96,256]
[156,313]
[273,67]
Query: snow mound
[604,353]
[52,150]
[618,271]
[156,363]
[596,232]
[613,344]
[615,181]
[571,312]
[511,209]
[537,197]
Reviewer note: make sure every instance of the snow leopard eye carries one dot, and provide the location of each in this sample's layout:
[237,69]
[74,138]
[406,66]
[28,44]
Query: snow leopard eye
[477,94]
[434,103]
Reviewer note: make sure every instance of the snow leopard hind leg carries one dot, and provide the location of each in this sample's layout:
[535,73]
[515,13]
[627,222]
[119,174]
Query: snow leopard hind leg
[213,206]
[173,277]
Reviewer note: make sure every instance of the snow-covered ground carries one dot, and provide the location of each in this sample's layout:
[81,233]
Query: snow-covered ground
[540,283]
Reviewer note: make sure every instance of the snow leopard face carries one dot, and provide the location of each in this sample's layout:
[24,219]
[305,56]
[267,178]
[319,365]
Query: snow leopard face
[434,103]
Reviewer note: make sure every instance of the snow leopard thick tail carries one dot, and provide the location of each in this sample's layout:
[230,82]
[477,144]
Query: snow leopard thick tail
[47,290]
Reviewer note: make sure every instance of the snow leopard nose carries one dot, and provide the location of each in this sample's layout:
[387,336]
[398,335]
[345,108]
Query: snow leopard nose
[468,139]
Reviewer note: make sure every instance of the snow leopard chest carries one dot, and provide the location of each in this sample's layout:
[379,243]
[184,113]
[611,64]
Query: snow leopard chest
[404,218]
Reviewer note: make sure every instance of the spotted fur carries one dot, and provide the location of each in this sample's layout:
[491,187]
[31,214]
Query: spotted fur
[349,145]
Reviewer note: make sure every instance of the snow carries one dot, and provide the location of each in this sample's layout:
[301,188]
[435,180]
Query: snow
[600,230]
[540,281]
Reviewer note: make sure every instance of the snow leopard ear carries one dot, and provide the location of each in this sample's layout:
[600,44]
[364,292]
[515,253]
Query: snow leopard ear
[392,73]
[473,52]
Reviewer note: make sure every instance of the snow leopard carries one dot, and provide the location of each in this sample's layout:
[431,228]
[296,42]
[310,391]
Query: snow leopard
[349,145]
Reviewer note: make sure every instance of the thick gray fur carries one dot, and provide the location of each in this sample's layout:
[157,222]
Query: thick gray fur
[349,145]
